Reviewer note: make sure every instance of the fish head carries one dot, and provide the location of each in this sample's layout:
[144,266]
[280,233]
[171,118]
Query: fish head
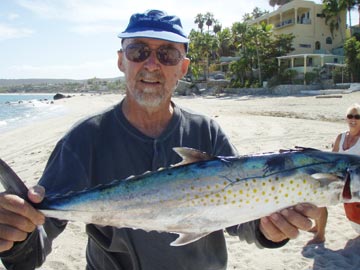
[351,191]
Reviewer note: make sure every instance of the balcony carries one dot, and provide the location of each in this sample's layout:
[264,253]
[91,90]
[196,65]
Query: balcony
[284,23]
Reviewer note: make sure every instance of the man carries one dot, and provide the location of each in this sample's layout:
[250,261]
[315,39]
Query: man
[135,136]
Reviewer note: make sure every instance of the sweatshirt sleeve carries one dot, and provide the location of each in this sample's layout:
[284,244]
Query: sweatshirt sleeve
[251,233]
[32,252]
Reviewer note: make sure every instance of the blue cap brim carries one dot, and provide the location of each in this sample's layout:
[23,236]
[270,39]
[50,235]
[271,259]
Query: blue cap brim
[163,35]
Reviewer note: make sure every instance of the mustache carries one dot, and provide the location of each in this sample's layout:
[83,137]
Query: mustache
[153,76]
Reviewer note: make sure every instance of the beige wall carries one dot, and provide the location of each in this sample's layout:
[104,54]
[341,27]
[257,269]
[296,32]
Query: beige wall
[301,18]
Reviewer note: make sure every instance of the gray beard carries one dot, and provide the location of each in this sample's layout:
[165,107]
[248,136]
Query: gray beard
[147,99]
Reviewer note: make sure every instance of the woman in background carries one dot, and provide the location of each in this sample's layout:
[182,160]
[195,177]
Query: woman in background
[346,142]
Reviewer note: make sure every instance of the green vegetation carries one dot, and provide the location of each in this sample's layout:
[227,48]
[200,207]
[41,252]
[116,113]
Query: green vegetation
[252,48]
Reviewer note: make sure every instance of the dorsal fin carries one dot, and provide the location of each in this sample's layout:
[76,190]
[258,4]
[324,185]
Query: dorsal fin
[190,155]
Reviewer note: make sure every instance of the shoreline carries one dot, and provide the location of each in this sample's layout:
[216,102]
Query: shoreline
[254,125]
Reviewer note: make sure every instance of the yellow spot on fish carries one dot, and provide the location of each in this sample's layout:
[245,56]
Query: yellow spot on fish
[208,187]
[291,181]
[247,202]
[233,202]
[257,200]
[304,181]
[255,190]
[263,193]
[217,195]
[286,195]
[241,191]
[272,188]
[229,191]
[266,200]
[225,198]
[254,180]
[300,193]
[225,183]
[246,184]
[270,180]
[192,187]
[282,185]
[263,183]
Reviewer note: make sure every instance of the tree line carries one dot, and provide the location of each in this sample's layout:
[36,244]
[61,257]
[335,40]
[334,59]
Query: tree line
[254,47]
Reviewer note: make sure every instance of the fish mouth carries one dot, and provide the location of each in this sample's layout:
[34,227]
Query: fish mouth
[346,194]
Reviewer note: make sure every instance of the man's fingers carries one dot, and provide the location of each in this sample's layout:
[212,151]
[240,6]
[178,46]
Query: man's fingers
[22,223]
[281,222]
[270,230]
[17,205]
[9,233]
[5,245]
[36,194]
[297,219]
[308,210]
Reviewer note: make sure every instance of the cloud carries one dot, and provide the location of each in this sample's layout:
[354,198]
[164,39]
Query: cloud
[12,16]
[11,32]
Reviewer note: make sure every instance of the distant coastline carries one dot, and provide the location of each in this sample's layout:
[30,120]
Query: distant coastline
[61,85]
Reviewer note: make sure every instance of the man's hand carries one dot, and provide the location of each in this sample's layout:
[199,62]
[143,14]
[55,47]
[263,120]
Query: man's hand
[18,217]
[288,222]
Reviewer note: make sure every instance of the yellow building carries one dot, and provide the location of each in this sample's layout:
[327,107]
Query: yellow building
[314,43]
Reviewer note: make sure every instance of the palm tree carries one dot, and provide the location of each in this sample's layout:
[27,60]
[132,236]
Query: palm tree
[332,8]
[348,5]
[199,20]
[274,3]
[209,19]
[331,11]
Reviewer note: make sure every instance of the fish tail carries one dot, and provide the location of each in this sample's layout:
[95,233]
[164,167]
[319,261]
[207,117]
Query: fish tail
[14,185]
[11,181]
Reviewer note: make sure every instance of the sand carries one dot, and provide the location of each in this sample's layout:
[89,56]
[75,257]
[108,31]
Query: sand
[254,124]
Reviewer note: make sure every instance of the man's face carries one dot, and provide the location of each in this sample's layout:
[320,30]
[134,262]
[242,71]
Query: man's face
[149,81]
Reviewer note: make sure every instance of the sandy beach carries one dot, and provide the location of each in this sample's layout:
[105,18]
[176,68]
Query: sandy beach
[254,124]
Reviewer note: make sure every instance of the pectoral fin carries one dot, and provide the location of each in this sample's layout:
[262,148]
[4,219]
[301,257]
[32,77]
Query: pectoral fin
[190,155]
[187,238]
[325,178]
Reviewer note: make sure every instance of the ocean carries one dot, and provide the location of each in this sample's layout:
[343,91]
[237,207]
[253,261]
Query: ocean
[17,110]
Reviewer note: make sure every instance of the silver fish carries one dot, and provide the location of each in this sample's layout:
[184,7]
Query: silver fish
[205,194]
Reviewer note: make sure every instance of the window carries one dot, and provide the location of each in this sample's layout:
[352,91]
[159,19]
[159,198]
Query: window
[317,45]
[328,40]
[305,45]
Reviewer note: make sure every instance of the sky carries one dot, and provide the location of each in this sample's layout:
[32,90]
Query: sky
[77,39]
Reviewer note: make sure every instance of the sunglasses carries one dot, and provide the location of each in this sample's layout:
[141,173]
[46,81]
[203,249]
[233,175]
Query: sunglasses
[139,52]
[351,116]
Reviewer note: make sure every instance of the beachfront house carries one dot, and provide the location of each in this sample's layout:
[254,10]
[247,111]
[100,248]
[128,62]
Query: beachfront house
[315,45]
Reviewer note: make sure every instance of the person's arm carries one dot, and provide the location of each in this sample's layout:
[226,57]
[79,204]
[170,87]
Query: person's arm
[336,145]
[250,232]
[23,243]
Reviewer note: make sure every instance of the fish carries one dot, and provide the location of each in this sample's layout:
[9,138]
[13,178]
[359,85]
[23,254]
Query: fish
[203,193]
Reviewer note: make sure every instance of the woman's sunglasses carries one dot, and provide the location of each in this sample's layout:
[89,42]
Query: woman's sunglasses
[139,52]
[351,116]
